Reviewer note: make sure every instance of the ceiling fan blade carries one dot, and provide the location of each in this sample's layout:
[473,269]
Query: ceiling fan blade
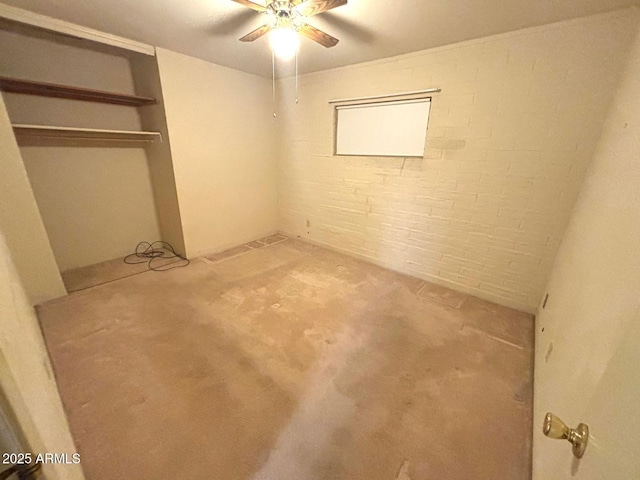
[314,7]
[248,3]
[319,36]
[343,26]
[257,33]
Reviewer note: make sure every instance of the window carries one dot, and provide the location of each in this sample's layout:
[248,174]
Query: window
[396,128]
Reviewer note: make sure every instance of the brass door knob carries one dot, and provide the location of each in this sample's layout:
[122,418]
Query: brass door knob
[553,427]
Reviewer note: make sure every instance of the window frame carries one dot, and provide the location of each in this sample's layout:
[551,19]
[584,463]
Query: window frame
[380,100]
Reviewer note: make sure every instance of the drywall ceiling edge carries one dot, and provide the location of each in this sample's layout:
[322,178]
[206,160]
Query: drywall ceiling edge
[44,22]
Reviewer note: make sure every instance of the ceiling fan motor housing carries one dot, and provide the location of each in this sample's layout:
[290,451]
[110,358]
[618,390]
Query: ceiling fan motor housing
[283,13]
[292,15]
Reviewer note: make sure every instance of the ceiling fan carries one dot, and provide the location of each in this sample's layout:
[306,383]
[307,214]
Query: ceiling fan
[292,15]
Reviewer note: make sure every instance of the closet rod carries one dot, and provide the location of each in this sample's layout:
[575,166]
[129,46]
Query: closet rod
[391,95]
[90,134]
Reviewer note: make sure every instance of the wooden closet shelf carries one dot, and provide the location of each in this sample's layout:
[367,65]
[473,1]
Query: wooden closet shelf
[30,87]
[23,132]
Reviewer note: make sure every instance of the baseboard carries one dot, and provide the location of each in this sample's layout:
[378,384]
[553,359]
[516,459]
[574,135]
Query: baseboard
[229,246]
[427,278]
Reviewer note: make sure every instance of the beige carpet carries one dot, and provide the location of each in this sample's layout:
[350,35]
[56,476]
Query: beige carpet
[292,362]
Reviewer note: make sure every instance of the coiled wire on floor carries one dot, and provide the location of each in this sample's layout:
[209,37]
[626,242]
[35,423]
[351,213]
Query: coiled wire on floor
[156,255]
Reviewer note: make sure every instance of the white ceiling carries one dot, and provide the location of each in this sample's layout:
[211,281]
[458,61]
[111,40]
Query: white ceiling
[367,29]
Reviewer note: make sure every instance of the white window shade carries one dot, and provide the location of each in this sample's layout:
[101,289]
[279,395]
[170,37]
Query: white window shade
[389,129]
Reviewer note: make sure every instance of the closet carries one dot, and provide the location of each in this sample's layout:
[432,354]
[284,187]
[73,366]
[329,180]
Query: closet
[89,120]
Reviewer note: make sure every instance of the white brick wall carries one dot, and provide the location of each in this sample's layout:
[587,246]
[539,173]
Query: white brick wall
[509,140]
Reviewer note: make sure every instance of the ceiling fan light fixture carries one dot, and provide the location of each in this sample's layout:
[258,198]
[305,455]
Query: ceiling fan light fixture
[284,42]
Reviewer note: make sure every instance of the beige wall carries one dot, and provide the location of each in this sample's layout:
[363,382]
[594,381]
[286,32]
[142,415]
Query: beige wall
[96,203]
[221,131]
[152,117]
[22,223]
[594,295]
[509,139]
[26,377]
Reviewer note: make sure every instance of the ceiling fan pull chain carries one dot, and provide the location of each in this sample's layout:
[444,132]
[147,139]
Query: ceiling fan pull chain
[296,76]
[273,76]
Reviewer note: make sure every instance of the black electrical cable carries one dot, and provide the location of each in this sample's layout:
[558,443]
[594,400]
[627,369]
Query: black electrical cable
[149,252]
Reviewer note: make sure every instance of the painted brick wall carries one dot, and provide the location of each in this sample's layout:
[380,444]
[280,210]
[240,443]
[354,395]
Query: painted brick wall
[509,140]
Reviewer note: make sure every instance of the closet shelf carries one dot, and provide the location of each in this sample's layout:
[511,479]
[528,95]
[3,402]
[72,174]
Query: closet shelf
[30,87]
[25,132]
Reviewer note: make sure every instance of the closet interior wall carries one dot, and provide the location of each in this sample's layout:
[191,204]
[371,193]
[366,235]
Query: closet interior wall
[96,200]
[146,78]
